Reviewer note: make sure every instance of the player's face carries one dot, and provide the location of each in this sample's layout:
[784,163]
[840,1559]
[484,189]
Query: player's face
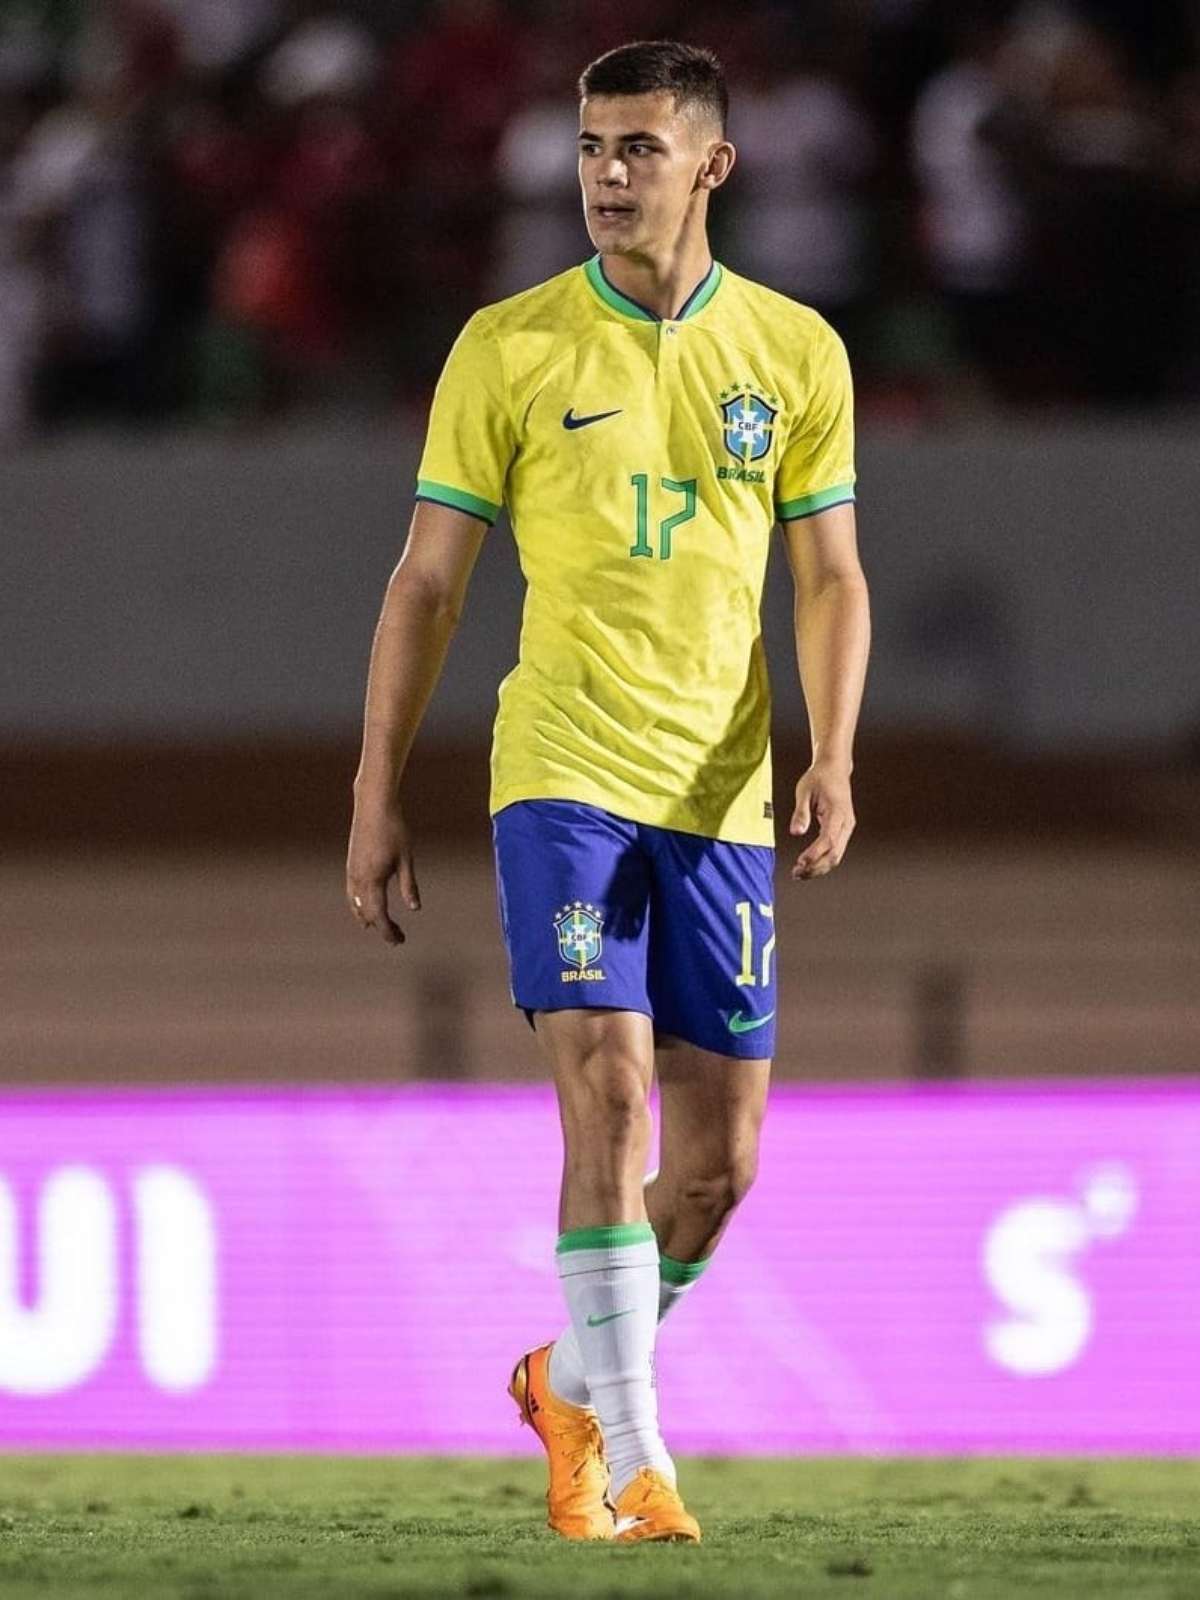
[642,165]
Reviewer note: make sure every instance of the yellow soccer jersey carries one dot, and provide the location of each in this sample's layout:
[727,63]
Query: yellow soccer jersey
[643,463]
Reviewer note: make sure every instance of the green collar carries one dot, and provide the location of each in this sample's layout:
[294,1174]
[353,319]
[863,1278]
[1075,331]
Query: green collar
[613,298]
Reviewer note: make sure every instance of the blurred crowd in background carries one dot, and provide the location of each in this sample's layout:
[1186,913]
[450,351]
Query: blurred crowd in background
[227,210]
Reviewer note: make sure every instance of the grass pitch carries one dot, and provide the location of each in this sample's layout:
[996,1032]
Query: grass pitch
[227,1527]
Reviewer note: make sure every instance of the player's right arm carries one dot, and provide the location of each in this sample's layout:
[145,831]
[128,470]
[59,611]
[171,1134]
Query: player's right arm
[420,612]
[460,488]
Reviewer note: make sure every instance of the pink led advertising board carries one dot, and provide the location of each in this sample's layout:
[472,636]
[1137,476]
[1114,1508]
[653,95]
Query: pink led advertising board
[975,1269]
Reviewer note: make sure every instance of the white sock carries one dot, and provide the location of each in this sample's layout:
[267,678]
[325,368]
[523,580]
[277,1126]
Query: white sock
[567,1377]
[610,1281]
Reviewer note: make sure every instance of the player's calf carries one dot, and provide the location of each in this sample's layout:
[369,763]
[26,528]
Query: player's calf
[691,1210]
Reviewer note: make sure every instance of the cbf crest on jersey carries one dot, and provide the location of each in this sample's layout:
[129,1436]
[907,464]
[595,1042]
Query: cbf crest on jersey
[749,422]
[579,927]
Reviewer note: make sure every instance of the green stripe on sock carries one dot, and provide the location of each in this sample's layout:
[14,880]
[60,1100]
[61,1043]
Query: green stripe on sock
[680,1272]
[611,1238]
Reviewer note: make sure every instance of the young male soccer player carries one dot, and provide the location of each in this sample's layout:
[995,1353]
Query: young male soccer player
[646,418]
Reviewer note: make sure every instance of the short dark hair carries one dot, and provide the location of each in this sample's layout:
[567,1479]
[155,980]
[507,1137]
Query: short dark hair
[691,73]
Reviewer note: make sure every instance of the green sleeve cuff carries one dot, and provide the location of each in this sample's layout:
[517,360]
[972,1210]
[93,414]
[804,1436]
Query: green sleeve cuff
[443,494]
[840,495]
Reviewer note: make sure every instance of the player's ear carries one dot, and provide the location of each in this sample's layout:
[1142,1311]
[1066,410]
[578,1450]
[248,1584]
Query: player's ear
[717,165]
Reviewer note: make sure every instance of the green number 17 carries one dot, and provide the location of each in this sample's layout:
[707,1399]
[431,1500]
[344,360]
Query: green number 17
[641,484]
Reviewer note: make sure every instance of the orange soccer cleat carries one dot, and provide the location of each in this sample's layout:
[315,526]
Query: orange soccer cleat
[650,1508]
[575,1500]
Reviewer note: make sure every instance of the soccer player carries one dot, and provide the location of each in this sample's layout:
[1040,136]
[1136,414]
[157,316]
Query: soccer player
[646,418]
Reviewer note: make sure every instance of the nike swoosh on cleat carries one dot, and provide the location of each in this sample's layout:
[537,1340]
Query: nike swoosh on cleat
[623,1524]
[571,421]
[595,1322]
[740,1024]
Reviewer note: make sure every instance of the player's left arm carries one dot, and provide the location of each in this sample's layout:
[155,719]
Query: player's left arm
[833,635]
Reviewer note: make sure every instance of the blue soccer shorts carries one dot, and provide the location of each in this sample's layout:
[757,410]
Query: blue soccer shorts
[599,911]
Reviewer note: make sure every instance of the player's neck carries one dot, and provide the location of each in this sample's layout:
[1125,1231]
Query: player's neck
[662,281]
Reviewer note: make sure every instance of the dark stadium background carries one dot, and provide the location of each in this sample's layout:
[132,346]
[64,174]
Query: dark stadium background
[236,240]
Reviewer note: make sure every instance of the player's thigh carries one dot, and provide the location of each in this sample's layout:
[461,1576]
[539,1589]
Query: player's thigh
[574,890]
[711,1110]
[712,944]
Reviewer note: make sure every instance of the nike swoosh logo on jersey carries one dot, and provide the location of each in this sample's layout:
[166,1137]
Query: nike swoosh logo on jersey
[740,1024]
[595,1322]
[570,420]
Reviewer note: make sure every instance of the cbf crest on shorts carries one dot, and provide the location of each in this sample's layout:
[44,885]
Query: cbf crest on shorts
[580,927]
[749,422]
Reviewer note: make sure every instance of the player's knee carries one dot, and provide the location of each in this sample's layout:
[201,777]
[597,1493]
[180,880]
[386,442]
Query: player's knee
[714,1194]
[741,1173]
[607,1101]
[618,1111]
[607,1128]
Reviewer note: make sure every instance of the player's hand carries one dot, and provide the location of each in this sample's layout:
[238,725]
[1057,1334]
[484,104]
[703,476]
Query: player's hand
[823,793]
[380,850]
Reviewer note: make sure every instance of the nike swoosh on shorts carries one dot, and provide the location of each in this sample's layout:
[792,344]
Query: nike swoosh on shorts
[739,1024]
